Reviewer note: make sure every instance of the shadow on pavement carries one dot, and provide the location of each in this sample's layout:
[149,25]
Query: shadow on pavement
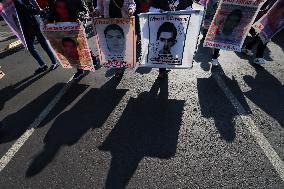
[149,126]
[14,125]
[267,93]
[9,92]
[143,70]
[214,104]
[90,112]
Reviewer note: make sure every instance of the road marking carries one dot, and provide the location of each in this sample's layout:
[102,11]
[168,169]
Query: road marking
[21,141]
[268,150]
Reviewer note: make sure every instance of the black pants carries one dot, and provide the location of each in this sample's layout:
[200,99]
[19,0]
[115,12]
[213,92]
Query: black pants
[260,46]
[216,53]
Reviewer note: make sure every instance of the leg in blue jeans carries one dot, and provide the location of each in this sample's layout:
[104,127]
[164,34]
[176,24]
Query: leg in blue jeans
[41,39]
[30,40]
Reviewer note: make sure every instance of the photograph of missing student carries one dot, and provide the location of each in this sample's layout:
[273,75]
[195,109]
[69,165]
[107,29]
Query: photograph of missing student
[9,14]
[169,39]
[163,46]
[115,40]
[70,44]
[272,22]
[230,26]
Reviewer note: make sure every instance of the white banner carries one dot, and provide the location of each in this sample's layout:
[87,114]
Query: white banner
[115,39]
[169,39]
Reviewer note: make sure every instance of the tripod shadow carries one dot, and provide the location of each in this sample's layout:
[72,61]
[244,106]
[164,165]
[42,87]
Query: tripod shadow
[148,127]
[267,93]
[89,113]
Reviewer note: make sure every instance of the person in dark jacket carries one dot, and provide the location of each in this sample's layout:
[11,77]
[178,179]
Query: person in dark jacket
[27,11]
[169,5]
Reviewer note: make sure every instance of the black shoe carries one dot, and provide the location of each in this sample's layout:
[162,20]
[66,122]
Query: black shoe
[54,66]
[41,69]
[78,75]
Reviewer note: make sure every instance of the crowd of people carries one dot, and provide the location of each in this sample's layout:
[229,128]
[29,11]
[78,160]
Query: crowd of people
[52,11]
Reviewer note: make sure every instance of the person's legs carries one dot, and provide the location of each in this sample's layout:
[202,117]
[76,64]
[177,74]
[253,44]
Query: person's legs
[30,40]
[41,39]
[78,74]
[252,43]
[215,61]
[259,53]
[260,49]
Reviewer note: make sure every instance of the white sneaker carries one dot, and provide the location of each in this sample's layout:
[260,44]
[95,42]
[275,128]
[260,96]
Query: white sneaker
[247,52]
[259,61]
[215,62]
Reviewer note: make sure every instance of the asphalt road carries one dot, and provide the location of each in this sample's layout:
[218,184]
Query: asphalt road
[200,128]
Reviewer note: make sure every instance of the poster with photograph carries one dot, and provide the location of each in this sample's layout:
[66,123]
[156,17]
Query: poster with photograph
[169,39]
[115,39]
[68,39]
[9,14]
[272,22]
[231,24]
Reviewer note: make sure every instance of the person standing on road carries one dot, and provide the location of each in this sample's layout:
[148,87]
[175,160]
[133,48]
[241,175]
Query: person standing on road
[115,9]
[169,5]
[31,29]
[276,17]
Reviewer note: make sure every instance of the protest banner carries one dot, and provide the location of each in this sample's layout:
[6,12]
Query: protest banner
[210,9]
[231,24]
[9,14]
[169,39]
[272,22]
[68,39]
[115,40]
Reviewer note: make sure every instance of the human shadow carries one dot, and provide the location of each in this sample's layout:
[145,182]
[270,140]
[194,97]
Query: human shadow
[148,127]
[267,93]
[89,113]
[11,91]
[14,125]
[143,70]
[214,104]
[203,56]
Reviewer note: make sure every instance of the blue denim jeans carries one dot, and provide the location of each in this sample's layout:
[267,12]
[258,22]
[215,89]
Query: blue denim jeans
[30,40]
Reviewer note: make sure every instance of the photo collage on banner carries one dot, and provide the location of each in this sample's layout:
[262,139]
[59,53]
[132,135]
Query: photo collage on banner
[115,40]
[272,22]
[69,41]
[231,24]
[9,14]
[169,39]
